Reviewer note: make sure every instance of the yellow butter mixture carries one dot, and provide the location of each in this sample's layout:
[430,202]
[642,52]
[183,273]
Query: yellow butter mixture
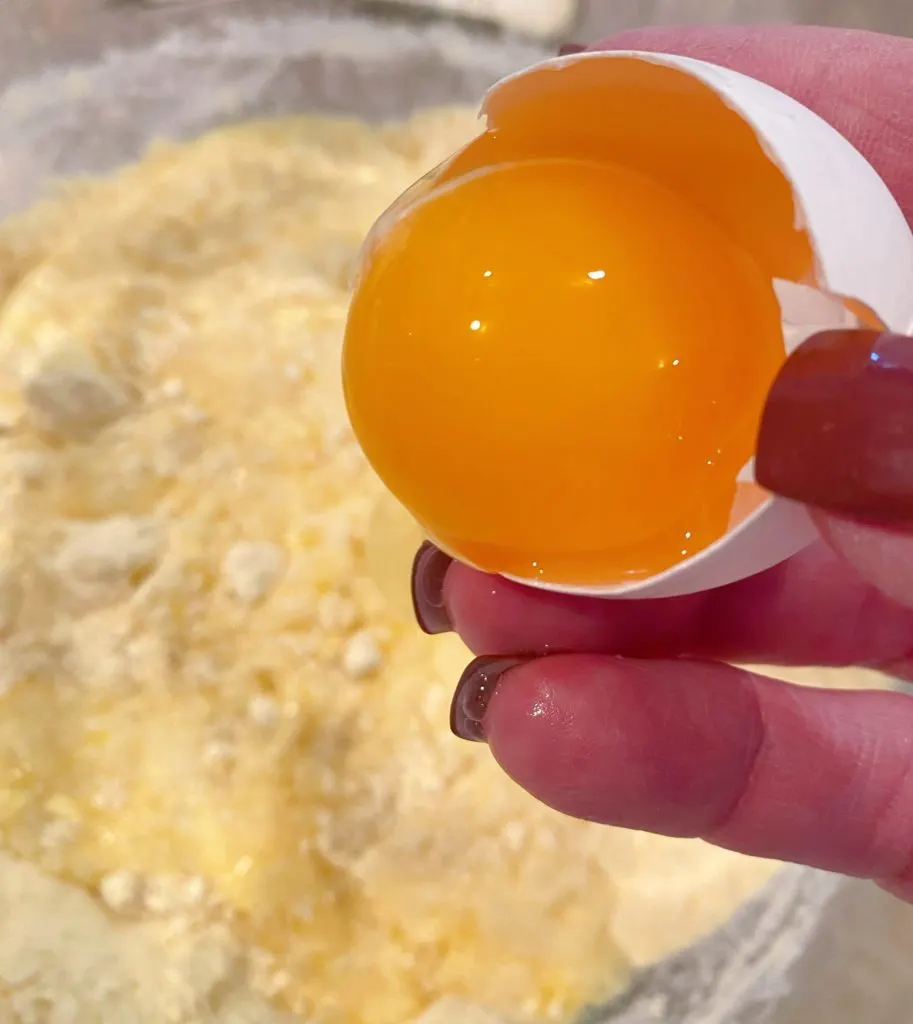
[227,787]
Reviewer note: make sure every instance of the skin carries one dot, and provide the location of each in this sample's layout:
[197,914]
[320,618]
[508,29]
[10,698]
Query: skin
[637,721]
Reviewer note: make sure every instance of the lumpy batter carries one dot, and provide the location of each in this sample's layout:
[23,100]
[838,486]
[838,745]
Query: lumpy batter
[227,787]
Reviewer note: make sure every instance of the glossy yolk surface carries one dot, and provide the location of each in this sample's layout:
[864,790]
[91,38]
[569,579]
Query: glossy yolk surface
[559,366]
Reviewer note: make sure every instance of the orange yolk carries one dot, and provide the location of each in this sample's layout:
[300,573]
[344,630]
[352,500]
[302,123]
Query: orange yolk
[558,366]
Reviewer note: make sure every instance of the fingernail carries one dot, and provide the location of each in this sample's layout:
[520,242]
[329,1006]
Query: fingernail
[837,429]
[567,49]
[473,694]
[428,573]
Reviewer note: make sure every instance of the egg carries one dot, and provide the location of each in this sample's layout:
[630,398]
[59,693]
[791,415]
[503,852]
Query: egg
[560,340]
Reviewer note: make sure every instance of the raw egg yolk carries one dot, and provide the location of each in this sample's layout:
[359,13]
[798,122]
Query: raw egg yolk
[558,366]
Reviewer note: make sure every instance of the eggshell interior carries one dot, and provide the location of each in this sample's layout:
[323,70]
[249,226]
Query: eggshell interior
[845,232]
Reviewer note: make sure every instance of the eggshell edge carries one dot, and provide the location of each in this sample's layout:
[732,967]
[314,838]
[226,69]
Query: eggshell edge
[779,529]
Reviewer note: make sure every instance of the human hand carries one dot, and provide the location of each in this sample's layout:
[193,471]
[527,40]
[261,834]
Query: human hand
[635,718]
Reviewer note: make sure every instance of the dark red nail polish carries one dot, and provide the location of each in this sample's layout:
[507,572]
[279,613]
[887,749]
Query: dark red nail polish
[428,573]
[568,49]
[473,693]
[837,429]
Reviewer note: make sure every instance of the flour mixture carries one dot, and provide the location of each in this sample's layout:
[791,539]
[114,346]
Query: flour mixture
[227,786]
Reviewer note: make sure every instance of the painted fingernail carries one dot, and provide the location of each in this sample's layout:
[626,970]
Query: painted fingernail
[567,49]
[473,694]
[428,573]
[837,429]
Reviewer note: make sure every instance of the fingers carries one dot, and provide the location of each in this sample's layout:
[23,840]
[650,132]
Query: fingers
[812,610]
[837,434]
[858,81]
[694,749]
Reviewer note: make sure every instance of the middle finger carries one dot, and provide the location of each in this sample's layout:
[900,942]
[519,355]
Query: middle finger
[812,610]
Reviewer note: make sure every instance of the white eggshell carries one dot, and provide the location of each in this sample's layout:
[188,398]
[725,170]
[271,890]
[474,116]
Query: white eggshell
[864,251]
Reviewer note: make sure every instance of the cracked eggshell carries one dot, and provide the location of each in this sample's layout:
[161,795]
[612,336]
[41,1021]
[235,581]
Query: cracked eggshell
[861,244]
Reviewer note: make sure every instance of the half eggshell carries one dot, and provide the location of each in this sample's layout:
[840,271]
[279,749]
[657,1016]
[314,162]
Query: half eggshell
[827,202]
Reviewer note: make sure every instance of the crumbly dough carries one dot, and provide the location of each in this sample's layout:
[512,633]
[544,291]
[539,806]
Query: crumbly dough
[227,787]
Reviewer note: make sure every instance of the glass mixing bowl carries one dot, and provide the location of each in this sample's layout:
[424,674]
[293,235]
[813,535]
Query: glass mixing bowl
[85,86]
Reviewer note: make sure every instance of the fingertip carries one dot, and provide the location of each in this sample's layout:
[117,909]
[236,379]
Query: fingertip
[656,746]
[531,726]
[494,615]
[482,608]
[474,692]
[470,598]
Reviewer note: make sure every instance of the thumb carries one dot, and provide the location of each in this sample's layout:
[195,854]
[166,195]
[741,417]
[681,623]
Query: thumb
[837,435]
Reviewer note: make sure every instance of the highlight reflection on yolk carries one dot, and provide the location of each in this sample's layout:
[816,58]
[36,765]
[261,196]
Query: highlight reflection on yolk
[559,367]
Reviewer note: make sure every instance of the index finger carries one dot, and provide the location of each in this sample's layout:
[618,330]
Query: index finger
[812,610]
[860,82]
